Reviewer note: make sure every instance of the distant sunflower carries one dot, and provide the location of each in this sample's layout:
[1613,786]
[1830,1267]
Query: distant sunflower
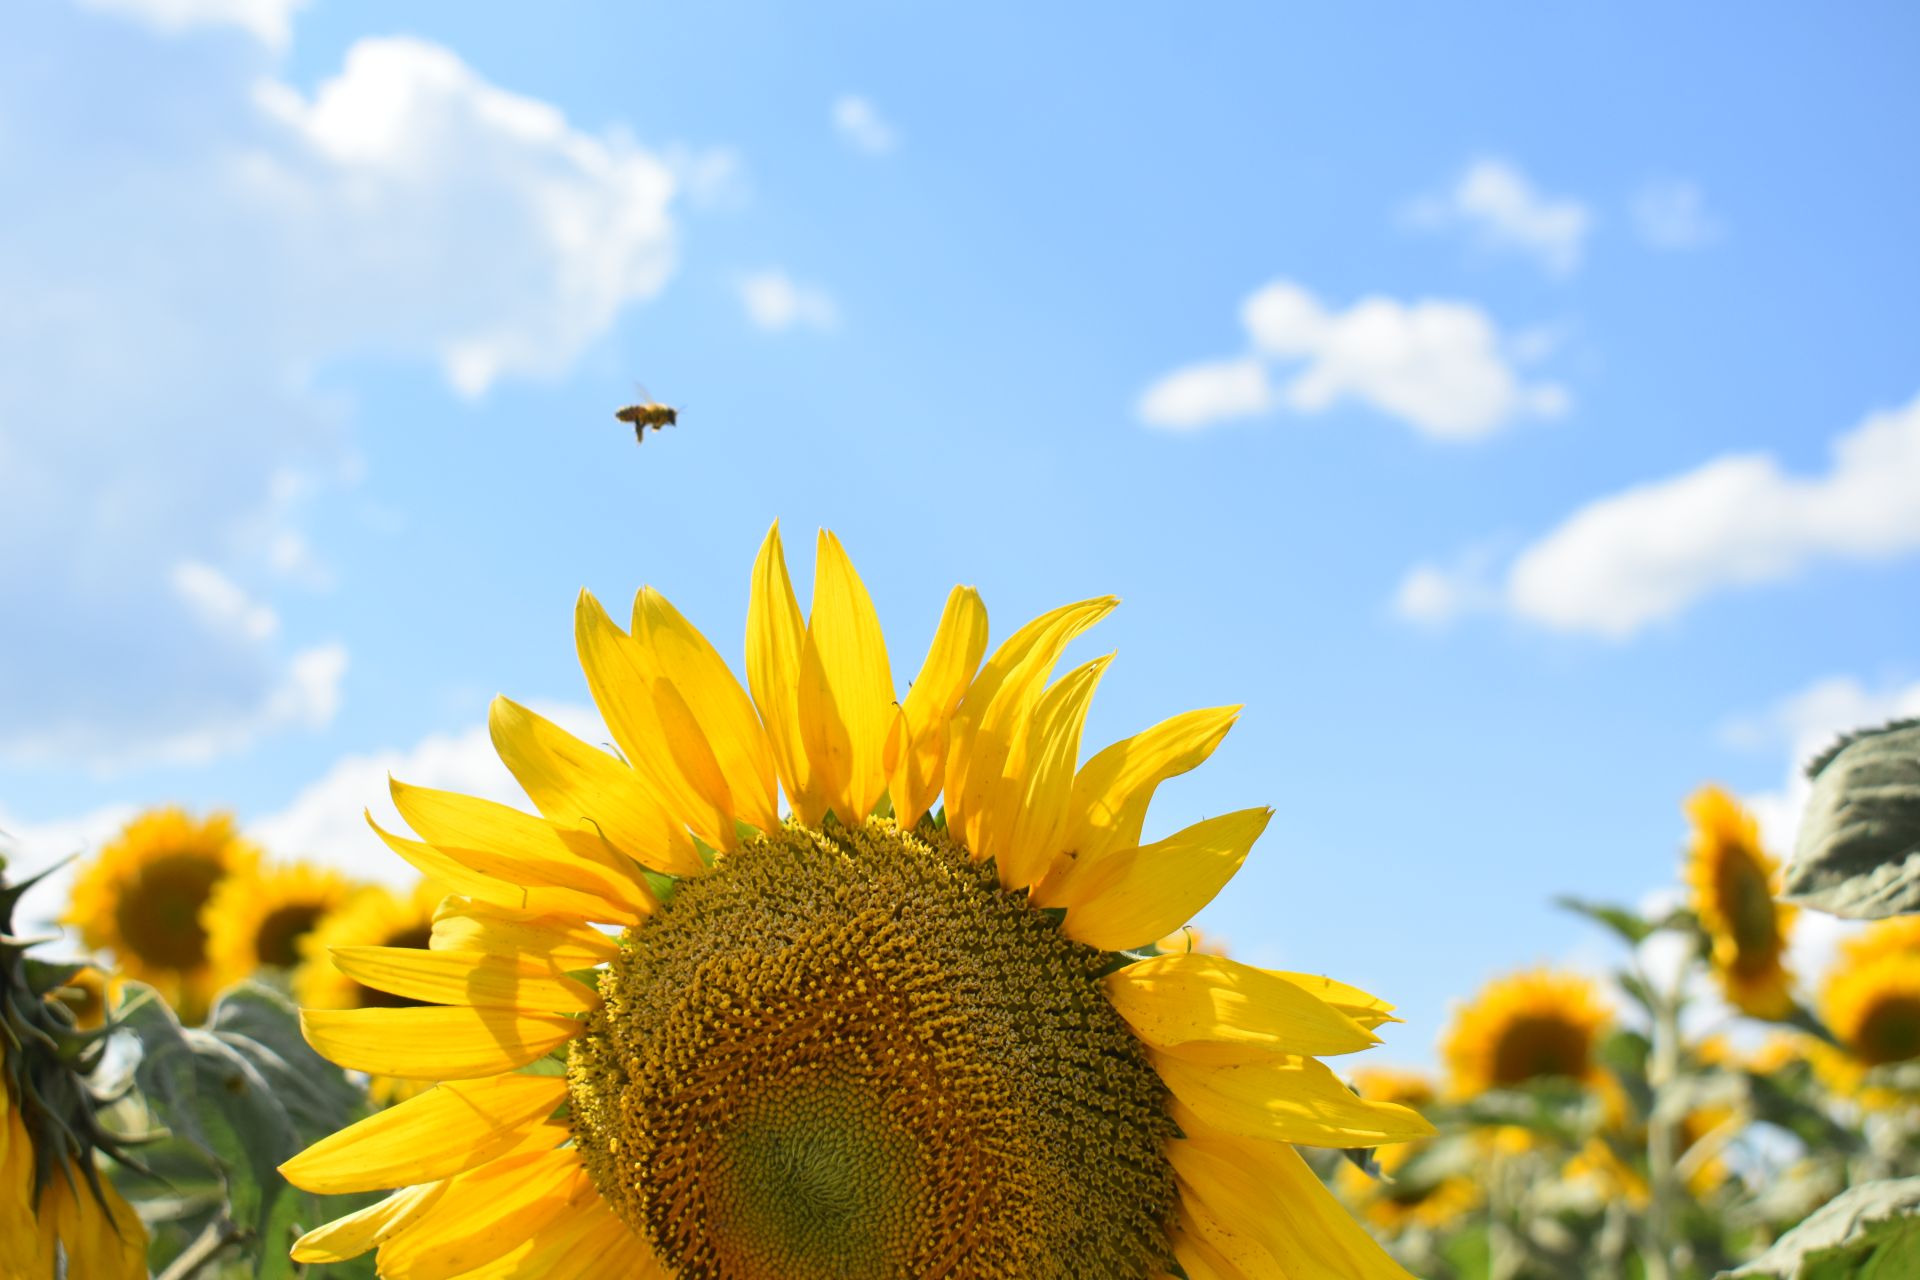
[1526,1027]
[257,921]
[1733,882]
[839,1045]
[1393,1203]
[143,896]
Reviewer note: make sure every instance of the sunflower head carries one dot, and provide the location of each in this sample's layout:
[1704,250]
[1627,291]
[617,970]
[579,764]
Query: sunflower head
[258,919]
[1874,1009]
[54,1203]
[143,898]
[1732,882]
[880,1036]
[1525,1027]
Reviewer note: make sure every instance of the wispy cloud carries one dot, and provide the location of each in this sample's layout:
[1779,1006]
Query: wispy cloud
[1497,205]
[1439,366]
[269,21]
[1672,213]
[861,125]
[1634,558]
[774,301]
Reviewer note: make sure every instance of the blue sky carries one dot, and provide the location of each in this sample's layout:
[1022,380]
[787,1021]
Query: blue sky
[1516,410]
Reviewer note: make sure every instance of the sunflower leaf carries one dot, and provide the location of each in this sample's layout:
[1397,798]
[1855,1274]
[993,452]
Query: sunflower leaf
[1869,1232]
[1631,926]
[1858,851]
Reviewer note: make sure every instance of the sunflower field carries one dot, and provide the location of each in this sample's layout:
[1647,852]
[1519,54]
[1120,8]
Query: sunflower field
[806,979]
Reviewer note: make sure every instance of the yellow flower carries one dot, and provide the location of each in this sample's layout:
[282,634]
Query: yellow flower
[1397,1206]
[842,1045]
[1870,1001]
[258,920]
[142,899]
[87,996]
[1529,1026]
[1733,883]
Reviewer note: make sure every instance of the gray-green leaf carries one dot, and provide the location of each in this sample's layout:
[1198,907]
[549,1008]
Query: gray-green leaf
[1870,1232]
[1858,852]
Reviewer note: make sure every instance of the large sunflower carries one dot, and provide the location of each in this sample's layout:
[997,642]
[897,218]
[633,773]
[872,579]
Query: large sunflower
[847,1044]
[1526,1027]
[143,899]
[257,920]
[1733,882]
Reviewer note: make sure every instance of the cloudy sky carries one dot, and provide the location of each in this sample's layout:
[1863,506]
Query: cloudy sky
[1520,413]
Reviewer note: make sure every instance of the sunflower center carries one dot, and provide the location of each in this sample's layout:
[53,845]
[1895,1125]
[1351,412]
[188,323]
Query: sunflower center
[1537,1047]
[1748,898]
[1890,1032]
[277,940]
[850,1054]
[158,915]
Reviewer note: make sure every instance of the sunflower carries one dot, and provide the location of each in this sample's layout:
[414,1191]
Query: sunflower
[56,1208]
[1870,1001]
[1526,1027]
[371,916]
[143,897]
[257,920]
[1733,882]
[87,995]
[872,1040]
[1397,1205]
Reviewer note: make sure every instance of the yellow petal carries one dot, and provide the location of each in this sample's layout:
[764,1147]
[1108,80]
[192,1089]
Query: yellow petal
[1266,1191]
[578,785]
[776,636]
[720,707]
[110,1244]
[1182,1002]
[846,688]
[1052,751]
[586,1241]
[1285,1099]
[1111,792]
[585,876]
[931,700]
[470,978]
[446,1130]
[347,1238]
[1207,1248]
[987,738]
[484,1213]
[1137,895]
[466,924]
[432,1043]
[652,724]
[1369,1011]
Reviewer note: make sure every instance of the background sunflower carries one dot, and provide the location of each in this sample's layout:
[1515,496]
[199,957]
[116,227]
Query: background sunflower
[1733,883]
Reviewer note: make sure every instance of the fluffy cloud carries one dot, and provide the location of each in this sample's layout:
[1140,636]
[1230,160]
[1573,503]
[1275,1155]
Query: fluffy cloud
[270,21]
[192,240]
[859,122]
[1671,213]
[776,302]
[1441,367]
[1634,558]
[1497,205]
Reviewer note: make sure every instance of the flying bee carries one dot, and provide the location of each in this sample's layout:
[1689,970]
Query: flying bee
[647,414]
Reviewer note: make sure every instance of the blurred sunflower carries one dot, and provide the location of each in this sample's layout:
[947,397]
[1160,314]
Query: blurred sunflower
[87,995]
[1733,882]
[371,916]
[1870,1001]
[257,920]
[1526,1027]
[142,899]
[841,1045]
[58,1215]
[1392,1203]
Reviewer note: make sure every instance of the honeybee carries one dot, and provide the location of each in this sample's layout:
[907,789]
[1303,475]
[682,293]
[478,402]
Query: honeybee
[648,414]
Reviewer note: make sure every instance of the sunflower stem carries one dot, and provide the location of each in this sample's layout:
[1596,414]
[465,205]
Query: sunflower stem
[1662,1132]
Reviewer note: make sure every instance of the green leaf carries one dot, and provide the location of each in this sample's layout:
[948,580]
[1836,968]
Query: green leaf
[1868,1232]
[1630,925]
[1858,852]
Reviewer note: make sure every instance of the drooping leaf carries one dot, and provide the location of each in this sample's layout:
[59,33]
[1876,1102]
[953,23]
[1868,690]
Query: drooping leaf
[1858,851]
[1629,925]
[1868,1232]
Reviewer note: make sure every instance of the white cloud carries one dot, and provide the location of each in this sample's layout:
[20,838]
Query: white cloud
[183,260]
[1442,367]
[1435,595]
[1634,558]
[270,21]
[1498,205]
[1672,213]
[776,302]
[860,123]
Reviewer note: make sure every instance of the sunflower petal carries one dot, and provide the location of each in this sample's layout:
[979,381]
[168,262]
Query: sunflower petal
[467,924]
[1137,895]
[1053,749]
[776,637]
[469,978]
[952,659]
[1206,1248]
[578,785]
[1267,1192]
[447,1130]
[846,687]
[347,1238]
[1182,1002]
[484,1213]
[434,1043]
[1367,1010]
[1285,1099]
